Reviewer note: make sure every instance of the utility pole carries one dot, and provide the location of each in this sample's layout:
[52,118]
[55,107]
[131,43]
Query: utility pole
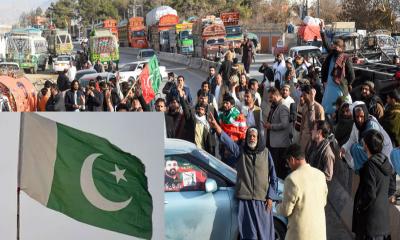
[318,8]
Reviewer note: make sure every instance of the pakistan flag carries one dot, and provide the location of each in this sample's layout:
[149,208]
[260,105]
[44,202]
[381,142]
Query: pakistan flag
[84,176]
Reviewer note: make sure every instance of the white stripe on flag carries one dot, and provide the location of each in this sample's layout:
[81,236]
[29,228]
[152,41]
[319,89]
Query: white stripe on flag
[38,156]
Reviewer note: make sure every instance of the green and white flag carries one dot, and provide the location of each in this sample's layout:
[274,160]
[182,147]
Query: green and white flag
[84,177]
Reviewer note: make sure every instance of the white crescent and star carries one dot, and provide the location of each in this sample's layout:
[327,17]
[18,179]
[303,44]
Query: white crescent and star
[89,188]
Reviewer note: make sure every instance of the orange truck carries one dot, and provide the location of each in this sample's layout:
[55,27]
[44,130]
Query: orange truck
[132,33]
[110,24]
[209,35]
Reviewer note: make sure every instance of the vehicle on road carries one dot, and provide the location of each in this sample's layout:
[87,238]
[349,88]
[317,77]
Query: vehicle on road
[62,62]
[83,72]
[234,32]
[145,54]
[131,71]
[27,48]
[209,35]
[105,76]
[103,46]
[159,21]
[310,53]
[132,33]
[59,42]
[9,66]
[200,200]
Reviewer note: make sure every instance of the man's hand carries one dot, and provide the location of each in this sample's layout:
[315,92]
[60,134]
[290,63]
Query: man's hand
[342,152]
[268,204]
[267,125]
[212,121]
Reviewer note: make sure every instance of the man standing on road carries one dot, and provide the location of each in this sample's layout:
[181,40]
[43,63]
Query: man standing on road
[320,154]
[63,81]
[304,198]
[247,50]
[256,185]
[55,102]
[98,67]
[278,131]
[371,204]
[211,76]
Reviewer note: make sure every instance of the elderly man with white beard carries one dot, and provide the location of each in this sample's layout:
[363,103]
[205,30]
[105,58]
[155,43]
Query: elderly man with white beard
[256,183]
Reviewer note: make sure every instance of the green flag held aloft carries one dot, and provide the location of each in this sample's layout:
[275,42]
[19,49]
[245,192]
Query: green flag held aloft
[84,176]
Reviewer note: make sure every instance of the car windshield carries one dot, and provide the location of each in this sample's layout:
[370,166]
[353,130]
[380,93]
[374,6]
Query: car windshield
[63,59]
[310,53]
[80,74]
[9,66]
[215,41]
[147,53]
[128,67]
[215,163]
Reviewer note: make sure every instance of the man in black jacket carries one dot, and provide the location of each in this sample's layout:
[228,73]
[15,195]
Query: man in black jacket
[94,98]
[63,81]
[74,98]
[371,204]
[55,102]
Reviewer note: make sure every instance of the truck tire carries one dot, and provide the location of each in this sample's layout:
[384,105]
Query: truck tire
[34,69]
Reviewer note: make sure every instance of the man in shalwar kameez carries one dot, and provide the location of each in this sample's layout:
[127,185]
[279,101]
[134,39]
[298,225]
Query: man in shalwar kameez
[256,183]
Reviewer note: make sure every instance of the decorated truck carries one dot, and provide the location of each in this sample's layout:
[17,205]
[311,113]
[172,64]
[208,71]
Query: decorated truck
[184,38]
[234,33]
[208,36]
[159,21]
[27,48]
[110,24]
[59,42]
[103,46]
[137,33]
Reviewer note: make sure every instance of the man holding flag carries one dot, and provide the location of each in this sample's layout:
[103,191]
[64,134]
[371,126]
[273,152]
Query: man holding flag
[150,79]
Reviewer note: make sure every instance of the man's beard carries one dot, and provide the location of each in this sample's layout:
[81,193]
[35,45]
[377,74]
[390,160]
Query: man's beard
[252,146]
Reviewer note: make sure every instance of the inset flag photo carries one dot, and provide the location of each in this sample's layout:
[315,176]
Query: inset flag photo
[90,176]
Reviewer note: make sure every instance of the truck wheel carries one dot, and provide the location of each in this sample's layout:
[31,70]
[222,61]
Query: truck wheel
[34,69]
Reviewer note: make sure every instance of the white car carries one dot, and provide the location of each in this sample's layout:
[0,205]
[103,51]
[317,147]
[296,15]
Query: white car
[62,62]
[131,71]
[145,54]
[13,66]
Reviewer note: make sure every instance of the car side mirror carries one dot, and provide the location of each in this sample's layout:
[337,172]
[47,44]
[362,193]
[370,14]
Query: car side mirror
[211,185]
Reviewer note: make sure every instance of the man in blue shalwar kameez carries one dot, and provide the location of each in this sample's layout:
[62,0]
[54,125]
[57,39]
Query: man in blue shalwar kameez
[256,183]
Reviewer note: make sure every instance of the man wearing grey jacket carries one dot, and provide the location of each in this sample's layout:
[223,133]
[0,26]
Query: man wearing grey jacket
[278,131]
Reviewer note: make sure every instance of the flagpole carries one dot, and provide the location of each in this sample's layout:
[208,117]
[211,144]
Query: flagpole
[19,173]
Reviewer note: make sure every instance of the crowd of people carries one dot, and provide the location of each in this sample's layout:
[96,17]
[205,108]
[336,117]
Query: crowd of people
[294,125]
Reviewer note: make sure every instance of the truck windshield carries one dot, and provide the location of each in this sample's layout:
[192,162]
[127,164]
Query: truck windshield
[63,39]
[186,35]
[138,33]
[215,41]
[40,46]
[18,45]
[233,30]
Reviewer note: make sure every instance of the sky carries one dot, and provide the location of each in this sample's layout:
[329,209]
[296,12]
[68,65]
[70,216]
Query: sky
[39,222]
[12,9]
